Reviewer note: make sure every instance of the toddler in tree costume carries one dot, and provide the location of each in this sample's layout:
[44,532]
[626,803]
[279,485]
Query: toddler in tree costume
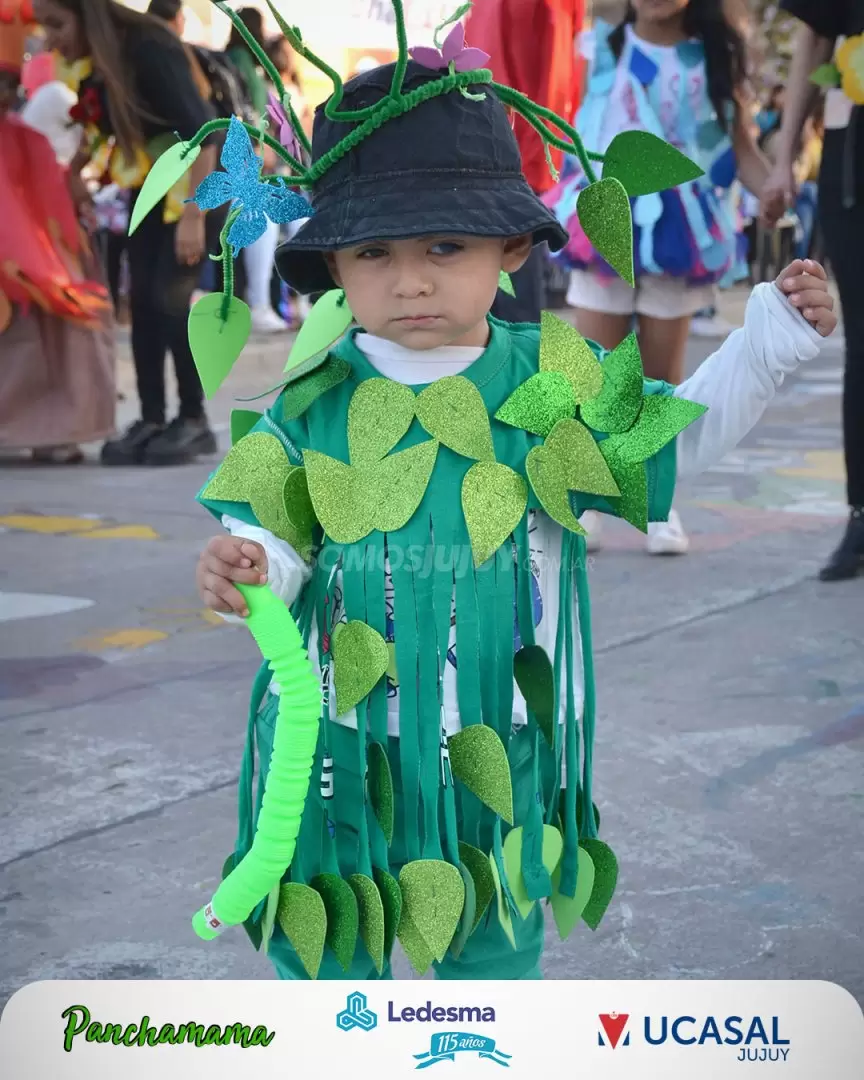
[414,494]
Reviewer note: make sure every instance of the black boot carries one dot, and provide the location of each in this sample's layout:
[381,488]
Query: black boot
[129,448]
[181,442]
[848,560]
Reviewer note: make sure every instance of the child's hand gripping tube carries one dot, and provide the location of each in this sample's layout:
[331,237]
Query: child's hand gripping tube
[294,742]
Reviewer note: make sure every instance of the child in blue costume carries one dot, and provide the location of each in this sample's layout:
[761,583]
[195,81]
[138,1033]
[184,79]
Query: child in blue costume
[674,68]
[413,494]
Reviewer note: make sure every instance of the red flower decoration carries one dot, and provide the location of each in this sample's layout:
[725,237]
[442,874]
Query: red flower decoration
[88,108]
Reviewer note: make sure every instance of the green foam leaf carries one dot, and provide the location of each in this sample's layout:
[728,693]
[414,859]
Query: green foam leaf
[371,911]
[660,420]
[467,920]
[303,918]
[328,320]
[539,403]
[494,498]
[827,76]
[394,488]
[242,422]
[477,863]
[605,880]
[532,669]
[479,761]
[379,414]
[417,951]
[504,916]
[343,918]
[391,900]
[339,498]
[604,214]
[163,175]
[433,895]
[505,283]
[452,410]
[616,407]
[360,658]
[645,164]
[297,396]
[381,788]
[553,846]
[564,351]
[545,473]
[568,910]
[216,338]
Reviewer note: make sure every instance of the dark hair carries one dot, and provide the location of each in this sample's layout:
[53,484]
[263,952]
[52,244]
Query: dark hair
[168,10]
[277,48]
[253,20]
[725,56]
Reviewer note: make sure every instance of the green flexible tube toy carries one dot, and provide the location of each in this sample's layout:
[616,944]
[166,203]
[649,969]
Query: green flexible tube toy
[294,741]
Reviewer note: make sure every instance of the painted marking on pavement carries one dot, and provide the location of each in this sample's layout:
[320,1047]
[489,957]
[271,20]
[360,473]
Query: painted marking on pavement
[133,638]
[37,605]
[83,525]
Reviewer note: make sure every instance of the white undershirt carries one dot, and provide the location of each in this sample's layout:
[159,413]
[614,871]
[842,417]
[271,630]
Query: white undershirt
[414,368]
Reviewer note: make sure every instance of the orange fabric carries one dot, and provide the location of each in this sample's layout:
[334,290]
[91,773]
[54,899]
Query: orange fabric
[40,240]
[532,44]
[16,16]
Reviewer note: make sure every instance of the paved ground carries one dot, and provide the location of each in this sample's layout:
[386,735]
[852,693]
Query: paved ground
[729,766]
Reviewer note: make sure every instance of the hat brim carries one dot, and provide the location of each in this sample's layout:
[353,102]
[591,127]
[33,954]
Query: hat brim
[398,208]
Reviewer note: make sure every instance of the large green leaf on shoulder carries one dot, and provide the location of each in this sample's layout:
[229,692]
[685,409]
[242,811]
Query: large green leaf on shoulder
[632,481]
[660,420]
[539,403]
[617,405]
[453,412]
[297,396]
[563,350]
[645,164]
[379,414]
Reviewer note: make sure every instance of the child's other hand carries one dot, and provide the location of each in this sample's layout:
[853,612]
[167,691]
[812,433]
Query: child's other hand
[804,283]
[227,559]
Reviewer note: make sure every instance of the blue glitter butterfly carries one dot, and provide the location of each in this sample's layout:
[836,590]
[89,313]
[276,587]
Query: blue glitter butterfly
[241,184]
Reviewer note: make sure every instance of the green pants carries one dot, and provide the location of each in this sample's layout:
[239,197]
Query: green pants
[488,954]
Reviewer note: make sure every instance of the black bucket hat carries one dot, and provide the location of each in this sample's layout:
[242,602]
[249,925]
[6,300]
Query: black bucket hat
[450,165]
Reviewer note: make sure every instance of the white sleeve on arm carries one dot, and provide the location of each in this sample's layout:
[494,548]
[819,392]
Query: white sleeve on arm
[740,378]
[287,573]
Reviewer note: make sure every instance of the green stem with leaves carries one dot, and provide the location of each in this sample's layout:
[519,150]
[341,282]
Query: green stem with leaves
[226,257]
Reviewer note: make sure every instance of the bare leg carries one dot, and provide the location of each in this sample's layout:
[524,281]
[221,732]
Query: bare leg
[662,343]
[606,330]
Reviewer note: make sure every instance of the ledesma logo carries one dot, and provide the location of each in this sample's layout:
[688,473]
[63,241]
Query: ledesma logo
[356,1014]
[612,1027]
[755,1038]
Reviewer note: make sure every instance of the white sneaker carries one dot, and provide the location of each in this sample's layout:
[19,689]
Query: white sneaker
[667,537]
[714,327]
[266,321]
[592,523]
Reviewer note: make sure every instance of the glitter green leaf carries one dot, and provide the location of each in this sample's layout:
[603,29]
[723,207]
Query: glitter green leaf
[484,883]
[303,918]
[343,919]
[452,411]
[380,781]
[360,658]
[504,916]
[371,912]
[604,214]
[494,498]
[391,902]
[565,351]
[645,164]
[616,407]
[632,481]
[339,498]
[505,284]
[414,945]
[433,896]
[479,761]
[297,396]
[394,488]
[660,420]
[539,403]
[379,414]
[605,880]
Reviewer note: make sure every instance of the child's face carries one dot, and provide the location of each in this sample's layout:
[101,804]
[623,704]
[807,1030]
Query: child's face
[427,292]
[659,10]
